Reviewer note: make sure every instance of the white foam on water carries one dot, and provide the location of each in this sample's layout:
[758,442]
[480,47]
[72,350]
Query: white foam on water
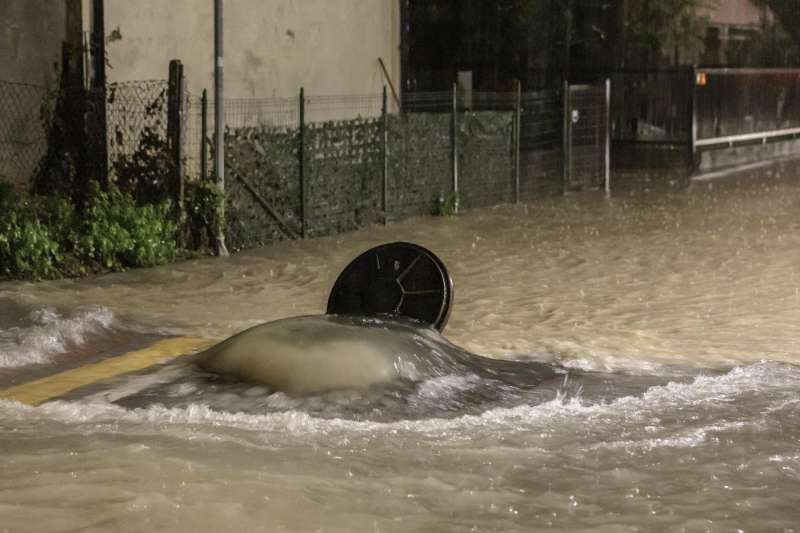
[48,333]
[607,362]
[441,387]
[688,438]
[563,409]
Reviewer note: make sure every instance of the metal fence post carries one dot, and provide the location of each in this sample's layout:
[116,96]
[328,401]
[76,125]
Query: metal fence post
[99,89]
[204,136]
[517,134]
[607,168]
[180,152]
[454,146]
[219,119]
[385,154]
[301,161]
[566,138]
[175,102]
[692,114]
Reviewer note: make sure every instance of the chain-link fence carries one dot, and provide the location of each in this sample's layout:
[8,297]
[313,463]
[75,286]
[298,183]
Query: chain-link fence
[342,164]
[23,130]
[53,138]
[319,165]
[310,165]
[485,148]
[283,180]
[541,142]
[420,154]
[137,150]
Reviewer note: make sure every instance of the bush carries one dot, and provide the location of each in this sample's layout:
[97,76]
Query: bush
[117,233]
[28,249]
[205,212]
[447,206]
[43,237]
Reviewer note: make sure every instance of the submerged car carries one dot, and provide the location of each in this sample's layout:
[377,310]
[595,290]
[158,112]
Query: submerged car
[384,322]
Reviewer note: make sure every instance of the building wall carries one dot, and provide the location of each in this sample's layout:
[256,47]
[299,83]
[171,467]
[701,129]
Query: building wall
[736,13]
[272,47]
[732,25]
[31,33]
[31,36]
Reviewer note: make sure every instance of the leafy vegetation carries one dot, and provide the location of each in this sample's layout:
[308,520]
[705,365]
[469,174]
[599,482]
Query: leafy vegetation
[45,237]
[541,41]
[778,43]
[656,30]
[205,214]
[117,233]
[448,206]
[144,174]
[787,14]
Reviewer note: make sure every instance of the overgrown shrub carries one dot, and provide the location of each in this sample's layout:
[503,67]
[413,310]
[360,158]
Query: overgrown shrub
[205,213]
[145,173]
[28,249]
[447,206]
[44,237]
[117,233]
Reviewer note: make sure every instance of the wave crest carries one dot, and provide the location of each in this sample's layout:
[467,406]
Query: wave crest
[46,333]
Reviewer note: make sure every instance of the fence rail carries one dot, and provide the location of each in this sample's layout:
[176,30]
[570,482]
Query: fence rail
[704,109]
[741,105]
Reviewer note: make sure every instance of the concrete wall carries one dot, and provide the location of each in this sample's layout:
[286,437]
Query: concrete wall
[31,33]
[272,47]
[742,155]
[31,37]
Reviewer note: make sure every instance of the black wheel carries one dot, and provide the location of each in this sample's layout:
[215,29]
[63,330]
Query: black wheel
[399,278]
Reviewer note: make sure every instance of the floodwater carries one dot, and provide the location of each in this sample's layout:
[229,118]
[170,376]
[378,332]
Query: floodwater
[666,319]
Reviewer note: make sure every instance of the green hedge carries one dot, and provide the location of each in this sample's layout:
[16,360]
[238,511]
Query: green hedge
[44,237]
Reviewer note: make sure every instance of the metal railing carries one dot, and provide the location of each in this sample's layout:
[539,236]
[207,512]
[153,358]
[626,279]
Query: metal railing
[741,106]
[705,109]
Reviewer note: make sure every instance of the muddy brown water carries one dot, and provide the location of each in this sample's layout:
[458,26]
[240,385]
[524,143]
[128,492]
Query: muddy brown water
[674,310]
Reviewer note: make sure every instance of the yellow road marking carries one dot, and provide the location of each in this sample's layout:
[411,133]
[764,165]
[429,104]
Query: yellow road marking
[39,391]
